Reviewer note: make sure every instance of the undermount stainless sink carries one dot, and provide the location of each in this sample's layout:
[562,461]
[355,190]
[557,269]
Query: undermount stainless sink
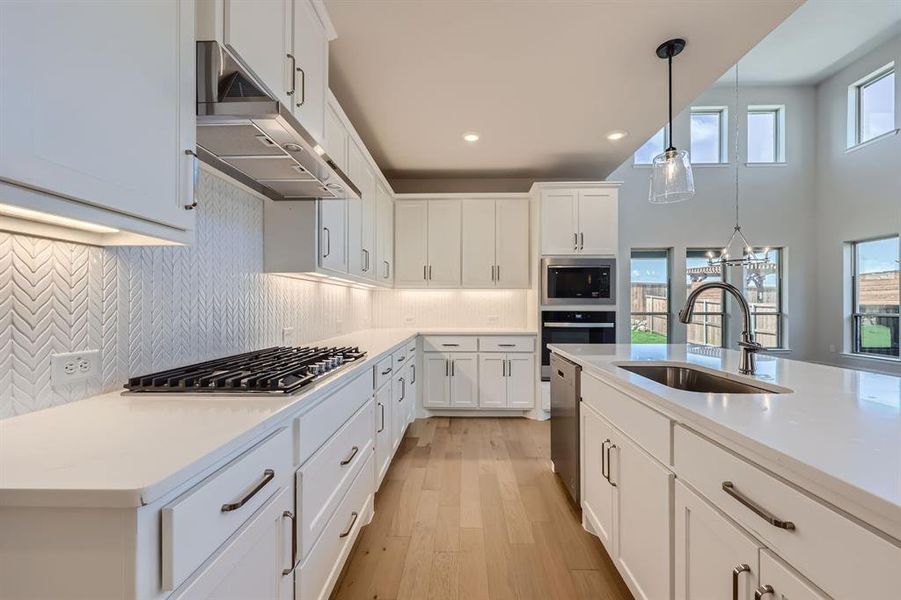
[694,380]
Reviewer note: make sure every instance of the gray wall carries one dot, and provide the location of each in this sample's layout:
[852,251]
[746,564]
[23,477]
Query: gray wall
[858,197]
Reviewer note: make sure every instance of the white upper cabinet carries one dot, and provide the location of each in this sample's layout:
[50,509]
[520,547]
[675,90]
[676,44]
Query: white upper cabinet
[259,32]
[384,259]
[579,220]
[336,137]
[361,215]
[310,64]
[478,250]
[495,247]
[97,105]
[333,234]
[444,243]
[411,243]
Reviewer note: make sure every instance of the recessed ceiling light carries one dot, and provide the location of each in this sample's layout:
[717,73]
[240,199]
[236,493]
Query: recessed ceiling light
[615,136]
[471,137]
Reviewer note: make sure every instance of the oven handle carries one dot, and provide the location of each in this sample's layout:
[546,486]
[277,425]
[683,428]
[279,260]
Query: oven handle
[581,325]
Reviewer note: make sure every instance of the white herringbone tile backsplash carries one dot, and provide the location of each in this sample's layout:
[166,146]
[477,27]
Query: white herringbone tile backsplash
[148,309]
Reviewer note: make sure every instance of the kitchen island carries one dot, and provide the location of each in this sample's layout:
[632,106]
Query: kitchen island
[818,442]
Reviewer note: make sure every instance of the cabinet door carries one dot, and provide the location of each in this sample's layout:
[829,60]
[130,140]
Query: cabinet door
[493,380]
[464,380]
[598,224]
[383,436]
[333,234]
[436,367]
[252,564]
[643,519]
[786,583]
[444,243]
[259,31]
[411,246]
[512,243]
[311,69]
[384,258]
[360,214]
[399,410]
[478,243]
[336,137]
[520,380]
[412,390]
[598,496]
[712,553]
[558,222]
[65,67]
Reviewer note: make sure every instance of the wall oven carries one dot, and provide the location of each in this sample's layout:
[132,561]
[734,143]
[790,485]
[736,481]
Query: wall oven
[577,280]
[574,327]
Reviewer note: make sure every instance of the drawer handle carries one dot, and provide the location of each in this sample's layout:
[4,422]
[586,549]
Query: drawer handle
[268,475]
[609,464]
[350,456]
[507,345]
[738,570]
[288,514]
[758,510]
[604,472]
[382,428]
[386,371]
[353,521]
[762,591]
[412,374]
[450,345]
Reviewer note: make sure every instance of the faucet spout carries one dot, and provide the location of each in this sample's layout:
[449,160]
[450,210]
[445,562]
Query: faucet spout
[747,344]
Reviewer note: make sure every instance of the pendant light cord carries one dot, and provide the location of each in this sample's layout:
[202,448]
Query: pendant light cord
[670,63]
[736,147]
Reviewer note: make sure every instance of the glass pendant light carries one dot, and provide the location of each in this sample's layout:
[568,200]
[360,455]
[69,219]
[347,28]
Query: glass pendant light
[671,177]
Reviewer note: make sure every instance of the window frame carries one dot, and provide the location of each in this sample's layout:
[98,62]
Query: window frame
[723,138]
[722,313]
[778,111]
[855,104]
[667,256]
[637,163]
[856,315]
[780,312]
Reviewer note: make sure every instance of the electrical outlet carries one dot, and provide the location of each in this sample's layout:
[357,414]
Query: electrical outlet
[492,318]
[288,336]
[409,320]
[73,367]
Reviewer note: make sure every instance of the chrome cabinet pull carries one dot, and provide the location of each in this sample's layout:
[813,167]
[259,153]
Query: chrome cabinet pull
[387,269]
[425,271]
[291,516]
[195,176]
[303,87]
[604,460]
[498,270]
[453,369]
[763,591]
[738,570]
[758,510]
[492,272]
[293,68]
[575,241]
[581,240]
[430,272]
[450,345]
[382,428]
[506,345]
[610,464]
[509,368]
[350,457]
[386,371]
[412,373]
[403,389]
[353,520]
[446,367]
[268,475]
[328,241]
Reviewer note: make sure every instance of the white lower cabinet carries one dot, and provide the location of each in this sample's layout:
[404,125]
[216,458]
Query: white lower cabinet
[715,559]
[451,380]
[778,581]
[400,410]
[506,380]
[255,562]
[598,496]
[383,439]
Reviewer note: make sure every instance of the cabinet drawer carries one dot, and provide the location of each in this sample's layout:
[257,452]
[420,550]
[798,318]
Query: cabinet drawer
[382,371]
[650,429]
[450,343]
[196,523]
[317,574]
[322,421]
[411,348]
[400,358]
[324,479]
[497,343]
[843,558]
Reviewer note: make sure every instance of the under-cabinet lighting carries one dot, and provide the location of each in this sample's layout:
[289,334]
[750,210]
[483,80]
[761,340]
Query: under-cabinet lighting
[41,217]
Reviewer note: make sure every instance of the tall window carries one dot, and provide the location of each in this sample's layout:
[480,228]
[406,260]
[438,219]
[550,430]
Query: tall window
[707,325]
[876,295]
[650,296]
[766,134]
[762,287]
[708,135]
[871,106]
[651,148]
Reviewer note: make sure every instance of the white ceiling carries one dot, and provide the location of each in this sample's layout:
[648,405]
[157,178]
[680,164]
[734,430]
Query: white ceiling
[541,81]
[818,40]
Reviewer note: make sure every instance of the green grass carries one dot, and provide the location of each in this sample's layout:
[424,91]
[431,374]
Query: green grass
[648,337]
[875,336]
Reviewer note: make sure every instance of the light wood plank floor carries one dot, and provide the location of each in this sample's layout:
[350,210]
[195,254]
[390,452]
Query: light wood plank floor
[470,510]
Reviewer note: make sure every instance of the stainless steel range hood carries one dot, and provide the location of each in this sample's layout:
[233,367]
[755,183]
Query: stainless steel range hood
[244,132]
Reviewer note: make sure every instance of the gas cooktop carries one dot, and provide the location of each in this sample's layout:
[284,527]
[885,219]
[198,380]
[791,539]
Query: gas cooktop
[278,370]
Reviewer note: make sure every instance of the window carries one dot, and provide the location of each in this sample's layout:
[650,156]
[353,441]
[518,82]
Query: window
[650,296]
[651,148]
[762,287]
[707,325]
[708,135]
[766,137]
[871,106]
[876,296]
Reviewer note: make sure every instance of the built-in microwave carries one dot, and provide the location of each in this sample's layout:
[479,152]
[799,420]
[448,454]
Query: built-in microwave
[578,280]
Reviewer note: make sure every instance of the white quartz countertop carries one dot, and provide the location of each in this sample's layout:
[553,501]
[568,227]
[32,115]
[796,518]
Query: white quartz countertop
[129,450]
[837,432]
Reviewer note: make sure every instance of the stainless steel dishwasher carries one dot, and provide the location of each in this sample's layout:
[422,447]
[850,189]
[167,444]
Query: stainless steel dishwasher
[565,397]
